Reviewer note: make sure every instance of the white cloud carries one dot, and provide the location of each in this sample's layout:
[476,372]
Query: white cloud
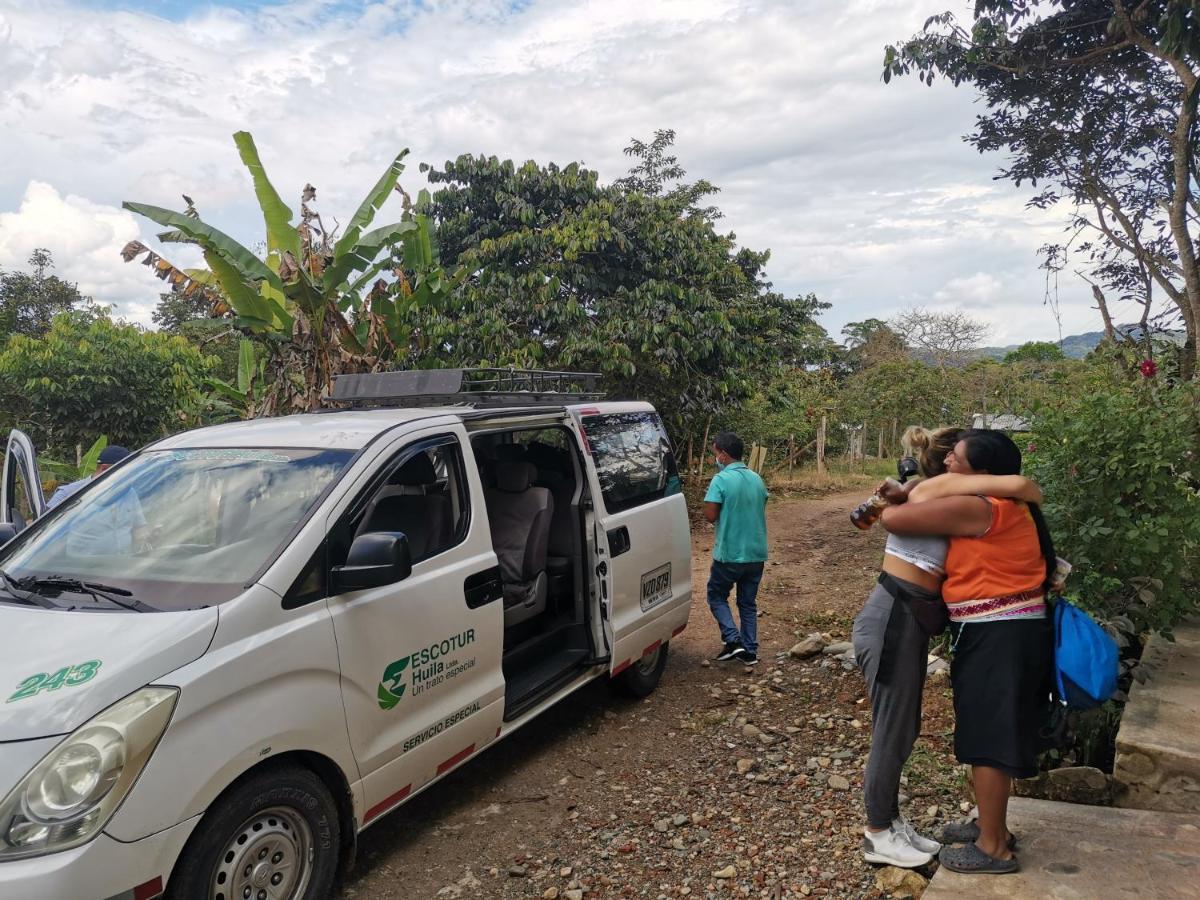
[81,236]
[865,193]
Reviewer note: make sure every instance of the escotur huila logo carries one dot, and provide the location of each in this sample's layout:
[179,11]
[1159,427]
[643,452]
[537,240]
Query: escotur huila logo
[391,686]
[426,668]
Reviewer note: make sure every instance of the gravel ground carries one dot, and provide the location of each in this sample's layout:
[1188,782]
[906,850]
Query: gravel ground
[726,782]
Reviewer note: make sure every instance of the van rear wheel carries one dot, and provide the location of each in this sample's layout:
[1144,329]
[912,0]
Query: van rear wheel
[272,837]
[641,678]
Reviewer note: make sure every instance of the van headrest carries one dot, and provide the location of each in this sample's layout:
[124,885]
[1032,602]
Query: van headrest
[515,477]
[509,452]
[545,457]
[417,472]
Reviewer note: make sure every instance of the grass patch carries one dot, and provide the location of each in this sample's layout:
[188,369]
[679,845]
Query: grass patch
[839,476]
[823,621]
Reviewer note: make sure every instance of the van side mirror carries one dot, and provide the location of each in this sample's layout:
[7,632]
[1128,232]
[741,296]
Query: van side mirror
[8,531]
[375,559]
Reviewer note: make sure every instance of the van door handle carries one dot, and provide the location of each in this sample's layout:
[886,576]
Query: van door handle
[618,541]
[483,587]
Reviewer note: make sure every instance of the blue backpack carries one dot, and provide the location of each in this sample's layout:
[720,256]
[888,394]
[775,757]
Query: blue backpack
[1085,658]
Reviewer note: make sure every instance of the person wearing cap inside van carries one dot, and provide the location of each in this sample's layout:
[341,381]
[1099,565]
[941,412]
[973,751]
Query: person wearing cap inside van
[736,504]
[109,457]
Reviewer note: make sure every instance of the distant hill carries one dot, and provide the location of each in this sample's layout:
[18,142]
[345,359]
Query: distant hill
[1077,346]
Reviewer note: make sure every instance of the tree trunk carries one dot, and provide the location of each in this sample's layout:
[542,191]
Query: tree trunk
[1109,332]
[1181,150]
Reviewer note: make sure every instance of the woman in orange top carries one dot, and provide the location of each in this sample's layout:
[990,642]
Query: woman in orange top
[1000,562]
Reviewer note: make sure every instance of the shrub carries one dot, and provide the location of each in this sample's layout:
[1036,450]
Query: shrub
[89,376]
[1120,468]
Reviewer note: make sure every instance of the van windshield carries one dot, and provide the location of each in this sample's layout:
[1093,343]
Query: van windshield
[178,528]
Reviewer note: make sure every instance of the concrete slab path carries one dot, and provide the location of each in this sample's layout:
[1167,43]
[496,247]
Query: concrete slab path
[1074,852]
[1158,744]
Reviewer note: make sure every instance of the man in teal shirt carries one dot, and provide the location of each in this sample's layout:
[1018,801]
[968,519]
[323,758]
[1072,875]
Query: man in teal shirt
[736,503]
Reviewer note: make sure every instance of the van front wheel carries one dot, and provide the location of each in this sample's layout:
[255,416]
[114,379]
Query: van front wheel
[274,836]
[641,678]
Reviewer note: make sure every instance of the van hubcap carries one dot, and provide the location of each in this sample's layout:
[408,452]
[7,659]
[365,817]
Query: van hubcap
[648,663]
[268,858]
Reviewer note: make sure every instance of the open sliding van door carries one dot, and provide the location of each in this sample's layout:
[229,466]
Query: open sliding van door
[21,498]
[642,540]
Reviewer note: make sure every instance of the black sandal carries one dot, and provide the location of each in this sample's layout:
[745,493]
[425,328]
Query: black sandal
[970,860]
[968,833]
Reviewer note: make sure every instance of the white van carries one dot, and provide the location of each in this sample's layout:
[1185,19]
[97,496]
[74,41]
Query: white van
[244,644]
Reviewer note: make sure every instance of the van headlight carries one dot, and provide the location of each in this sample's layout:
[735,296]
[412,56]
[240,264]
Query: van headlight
[72,793]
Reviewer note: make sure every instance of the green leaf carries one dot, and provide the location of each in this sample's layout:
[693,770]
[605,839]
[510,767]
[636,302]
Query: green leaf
[244,299]
[366,278]
[90,459]
[366,251]
[213,241]
[281,235]
[227,389]
[365,214]
[245,370]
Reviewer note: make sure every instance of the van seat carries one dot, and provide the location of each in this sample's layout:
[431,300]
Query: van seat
[405,506]
[520,514]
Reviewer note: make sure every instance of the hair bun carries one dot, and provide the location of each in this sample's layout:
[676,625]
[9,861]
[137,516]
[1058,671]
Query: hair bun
[916,438]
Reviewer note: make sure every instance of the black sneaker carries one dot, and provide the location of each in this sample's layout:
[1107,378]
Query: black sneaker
[748,657]
[731,650]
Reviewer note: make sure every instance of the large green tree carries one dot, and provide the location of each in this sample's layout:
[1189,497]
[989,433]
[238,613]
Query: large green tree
[29,300]
[630,279]
[1035,352]
[871,342]
[88,376]
[1093,102]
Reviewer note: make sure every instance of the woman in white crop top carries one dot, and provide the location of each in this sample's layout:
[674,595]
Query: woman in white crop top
[891,638]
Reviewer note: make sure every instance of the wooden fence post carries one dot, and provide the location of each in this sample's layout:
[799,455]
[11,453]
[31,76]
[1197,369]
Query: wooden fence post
[880,453]
[821,448]
[791,454]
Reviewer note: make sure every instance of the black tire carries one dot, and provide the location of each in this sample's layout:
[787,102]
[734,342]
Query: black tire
[641,678]
[268,811]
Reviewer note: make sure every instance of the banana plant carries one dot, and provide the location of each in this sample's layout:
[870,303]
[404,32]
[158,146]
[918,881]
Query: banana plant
[64,472]
[316,299]
[251,376]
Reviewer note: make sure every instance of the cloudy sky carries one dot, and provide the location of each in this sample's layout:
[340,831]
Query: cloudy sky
[865,194]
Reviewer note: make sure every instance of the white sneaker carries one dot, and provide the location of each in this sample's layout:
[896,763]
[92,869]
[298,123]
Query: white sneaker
[924,844]
[892,848]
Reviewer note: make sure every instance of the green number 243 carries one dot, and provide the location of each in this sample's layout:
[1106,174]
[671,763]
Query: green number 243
[68,676]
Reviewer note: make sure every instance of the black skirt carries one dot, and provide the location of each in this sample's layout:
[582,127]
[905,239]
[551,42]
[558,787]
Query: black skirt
[1001,675]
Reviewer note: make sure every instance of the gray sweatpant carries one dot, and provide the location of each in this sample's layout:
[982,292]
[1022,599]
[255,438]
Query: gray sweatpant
[895,702]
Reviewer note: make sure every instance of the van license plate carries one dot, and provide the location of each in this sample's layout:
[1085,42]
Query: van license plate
[656,587]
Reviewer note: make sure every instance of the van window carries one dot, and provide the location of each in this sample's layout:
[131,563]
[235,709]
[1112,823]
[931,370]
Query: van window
[180,528]
[423,495]
[633,458]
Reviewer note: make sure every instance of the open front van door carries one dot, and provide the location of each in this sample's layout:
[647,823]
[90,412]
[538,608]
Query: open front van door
[643,543]
[21,498]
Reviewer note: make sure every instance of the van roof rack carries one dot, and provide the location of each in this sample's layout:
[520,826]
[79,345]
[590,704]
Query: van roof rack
[480,387]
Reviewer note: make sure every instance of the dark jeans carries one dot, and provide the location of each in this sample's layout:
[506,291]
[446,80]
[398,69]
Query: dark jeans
[747,577]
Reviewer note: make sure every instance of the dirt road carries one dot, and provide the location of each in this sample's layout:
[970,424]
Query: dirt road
[726,782]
